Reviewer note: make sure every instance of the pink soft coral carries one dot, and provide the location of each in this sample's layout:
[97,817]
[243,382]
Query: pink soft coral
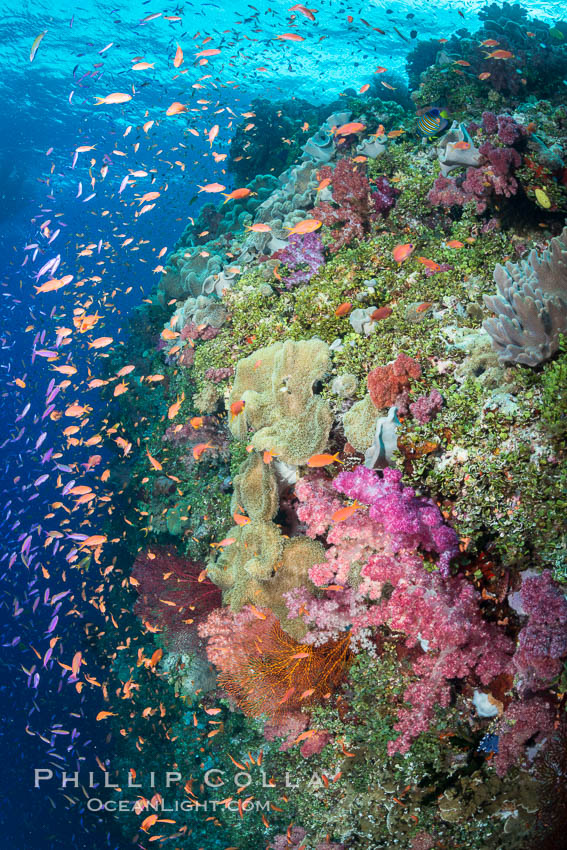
[522,720]
[542,643]
[375,566]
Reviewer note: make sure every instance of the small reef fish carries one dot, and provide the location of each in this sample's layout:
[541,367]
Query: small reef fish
[351,127]
[237,194]
[381,313]
[343,309]
[429,264]
[344,513]
[175,108]
[499,54]
[101,342]
[258,228]
[316,461]
[290,36]
[309,13]
[178,57]
[485,75]
[542,198]
[240,519]
[434,121]
[200,448]
[35,45]
[236,408]
[309,225]
[402,252]
[211,188]
[116,97]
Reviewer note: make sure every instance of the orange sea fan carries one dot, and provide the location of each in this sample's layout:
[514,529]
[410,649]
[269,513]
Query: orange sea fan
[276,675]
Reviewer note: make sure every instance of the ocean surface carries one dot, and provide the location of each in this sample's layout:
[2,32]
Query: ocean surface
[118,123]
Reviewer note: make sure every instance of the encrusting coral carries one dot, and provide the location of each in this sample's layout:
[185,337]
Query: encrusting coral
[281,413]
[531,307]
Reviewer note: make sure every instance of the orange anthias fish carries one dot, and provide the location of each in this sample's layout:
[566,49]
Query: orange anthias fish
[308,225]
[236,194]
[196,421]
[116,97]
[381,313]
[429,264]
[343,309]
[461,146]
[178,57]
[235,408]
[258,228]
[290,36]
[175,108]
[304,11]
[212,187]
[345,513]
[174,408]
[351,127]
[101,342]
[316,461]
[402,252]
[454,243]
[200,448]
[499,54]
[240,519]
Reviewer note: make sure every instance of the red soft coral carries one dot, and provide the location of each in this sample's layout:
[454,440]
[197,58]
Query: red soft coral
[353,211]
[387,383]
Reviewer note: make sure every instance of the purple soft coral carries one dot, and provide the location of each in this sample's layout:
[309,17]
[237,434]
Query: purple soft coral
[542,643]
[384,195]
[412,520]
[304,255]
[426,407]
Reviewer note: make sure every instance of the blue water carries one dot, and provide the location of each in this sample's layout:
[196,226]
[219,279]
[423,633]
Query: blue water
[47,111]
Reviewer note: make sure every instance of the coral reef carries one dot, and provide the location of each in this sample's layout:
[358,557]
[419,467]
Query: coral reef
[354,205]
[389,628]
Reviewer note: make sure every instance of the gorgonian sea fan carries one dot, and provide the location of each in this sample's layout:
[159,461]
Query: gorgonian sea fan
[173,596]
[264,669]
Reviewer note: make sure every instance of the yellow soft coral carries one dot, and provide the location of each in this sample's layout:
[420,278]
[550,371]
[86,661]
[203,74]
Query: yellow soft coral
[262,564]
[281,413]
